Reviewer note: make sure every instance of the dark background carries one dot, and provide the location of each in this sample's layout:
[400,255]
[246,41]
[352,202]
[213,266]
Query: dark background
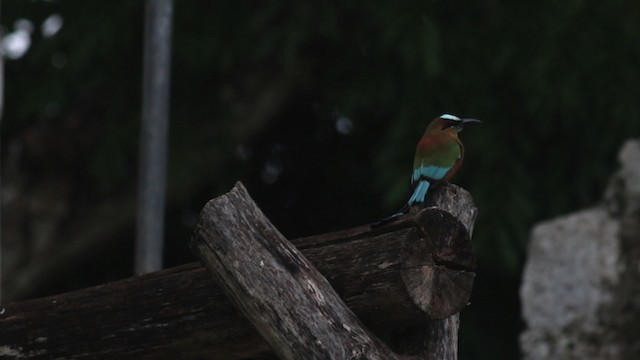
[316,107]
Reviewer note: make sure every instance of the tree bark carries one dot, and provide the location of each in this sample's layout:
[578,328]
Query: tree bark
[295,309]
[438,339]
[182,313]
[287,300]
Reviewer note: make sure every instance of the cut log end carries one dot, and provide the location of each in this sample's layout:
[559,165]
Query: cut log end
[439,264]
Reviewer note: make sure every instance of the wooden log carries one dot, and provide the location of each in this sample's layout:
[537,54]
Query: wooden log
[423,264]
[182,313]
[177,313]
[286,299]
[438,339]
[434,263]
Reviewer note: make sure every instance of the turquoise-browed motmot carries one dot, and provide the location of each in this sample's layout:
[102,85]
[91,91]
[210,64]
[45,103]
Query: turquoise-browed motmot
[439,154]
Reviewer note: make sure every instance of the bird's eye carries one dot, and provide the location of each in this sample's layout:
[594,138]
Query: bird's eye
[449,124]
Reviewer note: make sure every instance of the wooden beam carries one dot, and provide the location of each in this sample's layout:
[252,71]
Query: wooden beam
[281,293]
[182,313]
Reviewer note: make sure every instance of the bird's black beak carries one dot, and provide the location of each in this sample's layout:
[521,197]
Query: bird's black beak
[470,122]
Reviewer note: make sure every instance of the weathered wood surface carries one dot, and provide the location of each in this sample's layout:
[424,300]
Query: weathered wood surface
[296,310]
[288,301]
[182,313]
[173,314]
[423,264]
[438,339]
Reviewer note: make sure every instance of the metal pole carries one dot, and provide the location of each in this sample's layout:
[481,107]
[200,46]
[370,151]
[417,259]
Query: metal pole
[153,136]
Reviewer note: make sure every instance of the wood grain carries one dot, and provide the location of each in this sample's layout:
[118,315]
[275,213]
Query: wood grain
[182,313]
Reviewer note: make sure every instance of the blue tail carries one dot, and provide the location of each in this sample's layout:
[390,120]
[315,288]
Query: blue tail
[419,193]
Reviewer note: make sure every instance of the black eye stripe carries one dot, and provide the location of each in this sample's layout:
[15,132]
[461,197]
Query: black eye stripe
[451,123]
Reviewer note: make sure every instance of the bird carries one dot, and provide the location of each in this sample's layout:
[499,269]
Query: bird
[439,154]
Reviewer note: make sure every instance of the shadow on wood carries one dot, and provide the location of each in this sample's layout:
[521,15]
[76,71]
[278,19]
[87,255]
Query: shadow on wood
[181,313]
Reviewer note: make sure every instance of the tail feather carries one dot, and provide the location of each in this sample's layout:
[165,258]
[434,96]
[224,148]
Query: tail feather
[392,217]
[419,193]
